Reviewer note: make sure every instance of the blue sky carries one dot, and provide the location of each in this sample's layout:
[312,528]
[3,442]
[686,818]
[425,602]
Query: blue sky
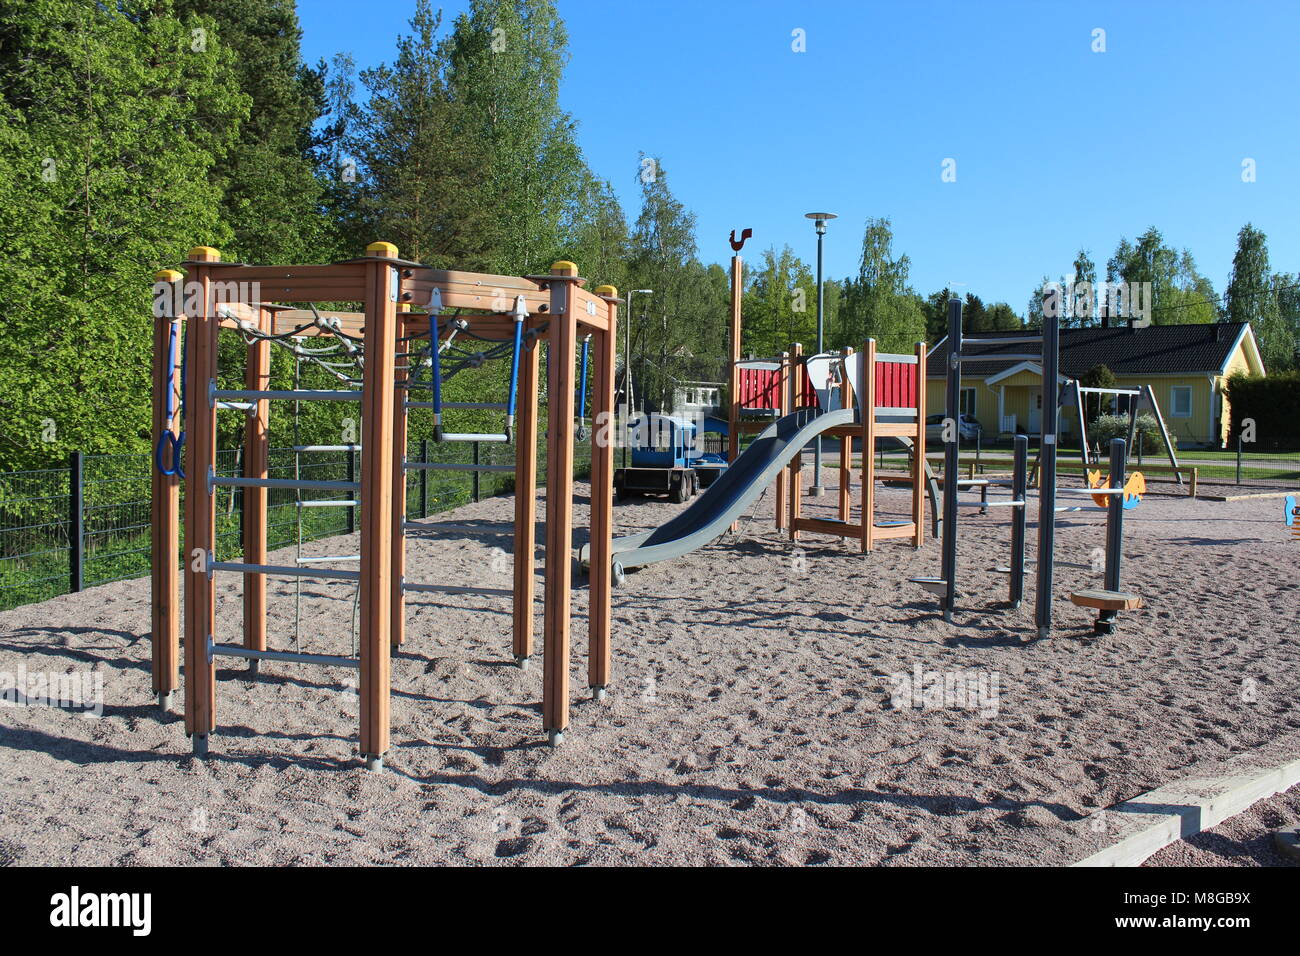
[1056,146]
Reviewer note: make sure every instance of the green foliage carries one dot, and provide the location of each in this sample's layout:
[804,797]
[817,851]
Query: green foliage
[1109,427]
[110,125]
[1099,376]
[1251,297]
[879,303]
[1272,402]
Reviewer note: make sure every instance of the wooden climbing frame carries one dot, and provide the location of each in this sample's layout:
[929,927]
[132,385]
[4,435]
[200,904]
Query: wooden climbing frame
[212,296]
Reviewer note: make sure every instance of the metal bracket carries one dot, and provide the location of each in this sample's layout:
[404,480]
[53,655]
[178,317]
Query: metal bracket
[435,301]
[521,308]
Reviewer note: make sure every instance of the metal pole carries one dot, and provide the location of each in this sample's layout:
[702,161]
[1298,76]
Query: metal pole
[1047,454]
[76,521]
[1114,532]
[1019,519]
[1238,455]
[816,491]
[950,451]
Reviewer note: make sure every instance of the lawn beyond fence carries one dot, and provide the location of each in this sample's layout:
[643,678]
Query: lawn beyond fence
[64,529]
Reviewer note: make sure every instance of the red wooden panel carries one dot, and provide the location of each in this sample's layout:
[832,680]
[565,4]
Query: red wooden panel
[896,385]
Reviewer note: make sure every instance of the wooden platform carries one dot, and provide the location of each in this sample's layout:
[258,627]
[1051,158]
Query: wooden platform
[1107,600]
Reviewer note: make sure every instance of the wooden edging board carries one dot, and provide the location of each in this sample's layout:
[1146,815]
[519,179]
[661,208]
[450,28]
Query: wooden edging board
[1150,822]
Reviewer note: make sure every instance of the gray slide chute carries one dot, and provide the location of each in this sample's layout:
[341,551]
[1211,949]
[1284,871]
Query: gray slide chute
[724,501]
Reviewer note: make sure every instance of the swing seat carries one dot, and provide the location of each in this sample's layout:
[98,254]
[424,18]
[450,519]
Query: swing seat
[1107,600]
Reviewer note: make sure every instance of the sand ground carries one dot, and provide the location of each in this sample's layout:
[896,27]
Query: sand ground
[752,716]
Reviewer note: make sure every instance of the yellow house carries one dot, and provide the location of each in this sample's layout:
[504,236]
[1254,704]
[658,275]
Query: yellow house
[1185,365]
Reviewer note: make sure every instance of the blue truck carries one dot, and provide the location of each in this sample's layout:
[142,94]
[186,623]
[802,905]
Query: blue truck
[666,459]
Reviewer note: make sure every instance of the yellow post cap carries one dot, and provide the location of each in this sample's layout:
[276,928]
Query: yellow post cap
[167,275]
[563,268]
[204,254]
[608,291]
[384,250]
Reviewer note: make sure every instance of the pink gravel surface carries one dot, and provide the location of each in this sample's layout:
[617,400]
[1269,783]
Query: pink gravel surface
[751,718]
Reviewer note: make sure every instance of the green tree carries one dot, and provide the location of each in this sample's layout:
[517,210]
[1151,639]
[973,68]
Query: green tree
[505,61]
[422,166]
[1099,376]
[270,196]
[1251,297]
[112,117]
[879,303]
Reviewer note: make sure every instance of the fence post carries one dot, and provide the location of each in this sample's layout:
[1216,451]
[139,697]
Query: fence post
[76,521]
[1238,456]
[424,478]
[352,476]
[477,486]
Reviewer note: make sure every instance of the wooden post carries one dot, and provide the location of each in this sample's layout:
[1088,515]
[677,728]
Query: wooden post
[868,390]
[737,294]
[397,624]
[165,559]
[377,417]
[795,489]
[257,375]
[563,333]
[918,455]
[602,499]
[200,515]
[783,409]
[526,503]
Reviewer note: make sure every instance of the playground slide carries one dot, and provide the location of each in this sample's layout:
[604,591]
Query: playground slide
[713,512]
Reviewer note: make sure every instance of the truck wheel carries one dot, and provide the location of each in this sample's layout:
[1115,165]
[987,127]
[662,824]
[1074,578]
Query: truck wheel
[678,492]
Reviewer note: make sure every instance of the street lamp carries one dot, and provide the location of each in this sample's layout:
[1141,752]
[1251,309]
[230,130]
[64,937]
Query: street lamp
[819,219]
[627,361]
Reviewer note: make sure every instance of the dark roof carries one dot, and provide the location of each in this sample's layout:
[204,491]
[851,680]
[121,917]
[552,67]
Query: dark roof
[1156,349]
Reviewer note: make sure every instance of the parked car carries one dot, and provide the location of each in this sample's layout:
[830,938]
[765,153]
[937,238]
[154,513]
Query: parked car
[968,426]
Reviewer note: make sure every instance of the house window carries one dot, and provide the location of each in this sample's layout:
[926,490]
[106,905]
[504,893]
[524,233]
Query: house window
[1180,401]
[966,404]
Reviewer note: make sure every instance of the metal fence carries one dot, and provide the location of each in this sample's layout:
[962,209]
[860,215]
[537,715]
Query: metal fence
[64,529]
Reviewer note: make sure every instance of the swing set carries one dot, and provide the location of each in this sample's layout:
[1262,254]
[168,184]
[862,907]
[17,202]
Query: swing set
[379,356]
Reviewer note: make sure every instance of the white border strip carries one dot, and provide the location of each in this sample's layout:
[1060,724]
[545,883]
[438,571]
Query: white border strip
[1169,814]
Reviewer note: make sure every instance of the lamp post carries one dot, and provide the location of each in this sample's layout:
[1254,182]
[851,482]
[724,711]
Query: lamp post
[819,219]
[627,363]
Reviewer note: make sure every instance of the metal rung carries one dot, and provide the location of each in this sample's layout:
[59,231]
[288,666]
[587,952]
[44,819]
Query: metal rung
[325,660]
[991,504]
[236,406]
[302,395]
[326,447]
[998,357]
[329,557]
[1009,340]
[329,503]
[1090,491]
[444,466]
[495,406]
[469,436]
[291,483]
[457,589]
[286,570]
